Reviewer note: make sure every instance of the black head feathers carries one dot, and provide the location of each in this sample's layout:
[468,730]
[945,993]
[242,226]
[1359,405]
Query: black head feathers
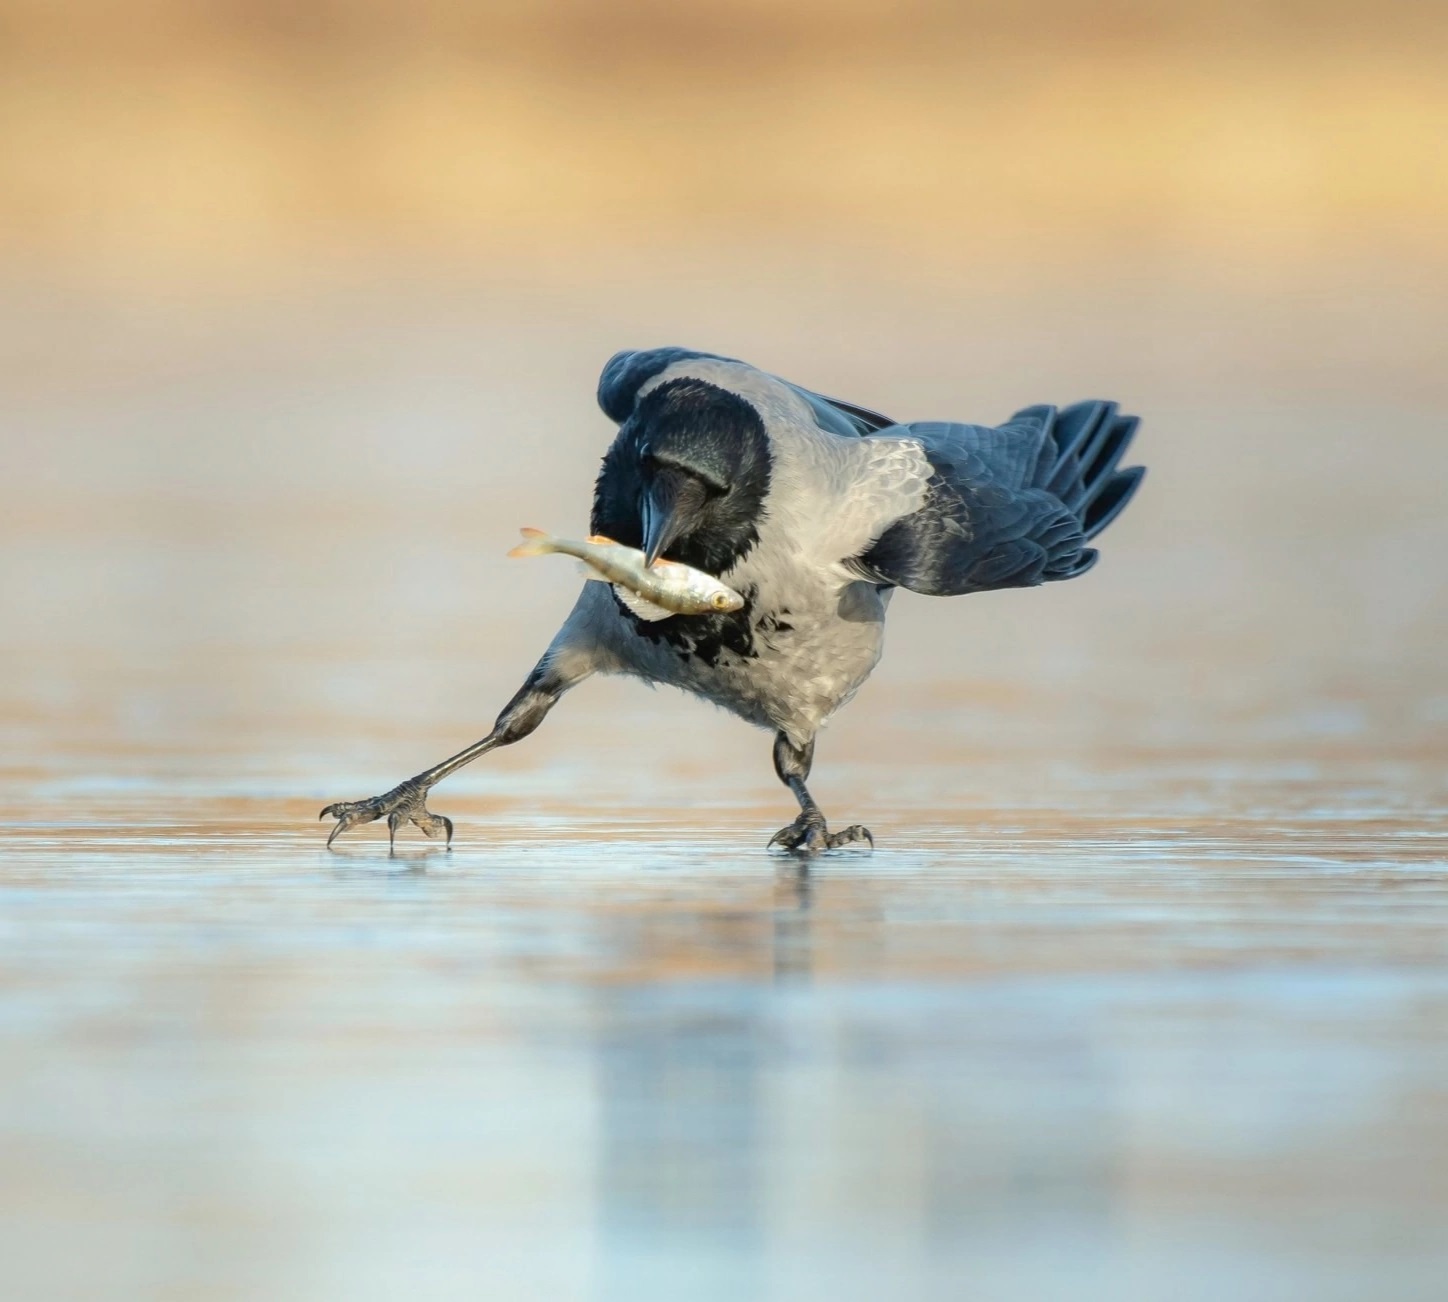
[713,438]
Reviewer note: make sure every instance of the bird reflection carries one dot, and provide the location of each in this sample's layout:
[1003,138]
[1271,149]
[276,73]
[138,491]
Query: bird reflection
[793,896]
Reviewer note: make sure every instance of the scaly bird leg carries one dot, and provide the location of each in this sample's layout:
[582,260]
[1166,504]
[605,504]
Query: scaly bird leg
[808,833]
[407,802]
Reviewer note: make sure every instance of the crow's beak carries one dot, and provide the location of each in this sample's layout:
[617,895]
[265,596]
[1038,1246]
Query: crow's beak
[670,510]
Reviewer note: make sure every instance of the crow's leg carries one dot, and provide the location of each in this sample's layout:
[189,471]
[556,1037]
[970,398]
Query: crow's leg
[407,802]
[808,832]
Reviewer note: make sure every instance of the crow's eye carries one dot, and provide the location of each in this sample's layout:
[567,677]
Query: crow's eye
[709,484]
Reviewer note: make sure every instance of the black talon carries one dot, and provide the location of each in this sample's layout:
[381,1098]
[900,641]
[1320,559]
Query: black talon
[850,835]
[809,835]
[404,803]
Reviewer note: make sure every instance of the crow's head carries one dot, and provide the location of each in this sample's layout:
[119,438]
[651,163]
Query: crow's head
[686,477]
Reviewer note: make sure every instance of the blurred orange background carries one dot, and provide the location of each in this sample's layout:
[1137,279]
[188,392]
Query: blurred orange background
[213,138]
[287,284]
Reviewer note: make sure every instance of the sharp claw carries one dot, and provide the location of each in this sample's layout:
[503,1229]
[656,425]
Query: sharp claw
[402,804]
[812,838]
[786,838]
[851,834]
[794,835]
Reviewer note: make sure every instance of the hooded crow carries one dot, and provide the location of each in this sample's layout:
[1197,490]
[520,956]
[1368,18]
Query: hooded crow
[814,511]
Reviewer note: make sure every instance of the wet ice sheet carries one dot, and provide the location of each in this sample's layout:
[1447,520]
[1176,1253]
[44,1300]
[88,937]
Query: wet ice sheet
[596,1057]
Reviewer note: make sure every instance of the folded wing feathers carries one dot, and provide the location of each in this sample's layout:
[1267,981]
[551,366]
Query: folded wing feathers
[1010,506]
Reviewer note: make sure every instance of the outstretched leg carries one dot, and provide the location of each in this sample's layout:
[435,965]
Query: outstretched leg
[407,802]
[808,832]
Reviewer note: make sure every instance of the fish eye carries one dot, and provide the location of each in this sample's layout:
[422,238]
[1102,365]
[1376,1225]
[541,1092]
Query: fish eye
[720,601]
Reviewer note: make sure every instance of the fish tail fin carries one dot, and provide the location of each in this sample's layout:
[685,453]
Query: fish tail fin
[535,543]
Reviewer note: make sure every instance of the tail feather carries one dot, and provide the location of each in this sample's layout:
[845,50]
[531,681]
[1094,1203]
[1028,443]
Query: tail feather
[1036,427]
[1091,438]
[1078,432]
[1107,449]
[1111,500]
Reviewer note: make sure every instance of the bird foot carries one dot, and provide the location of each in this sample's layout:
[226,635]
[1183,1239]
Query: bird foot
[405,803]
[808,835]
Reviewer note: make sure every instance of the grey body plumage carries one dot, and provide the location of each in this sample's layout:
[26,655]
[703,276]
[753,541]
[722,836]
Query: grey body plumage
[804,651]
[814,510]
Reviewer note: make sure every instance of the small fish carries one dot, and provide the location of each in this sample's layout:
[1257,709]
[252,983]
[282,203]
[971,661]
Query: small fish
[651,592]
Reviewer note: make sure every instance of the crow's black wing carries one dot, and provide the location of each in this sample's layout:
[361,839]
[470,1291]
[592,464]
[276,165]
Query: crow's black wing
[1008,507]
